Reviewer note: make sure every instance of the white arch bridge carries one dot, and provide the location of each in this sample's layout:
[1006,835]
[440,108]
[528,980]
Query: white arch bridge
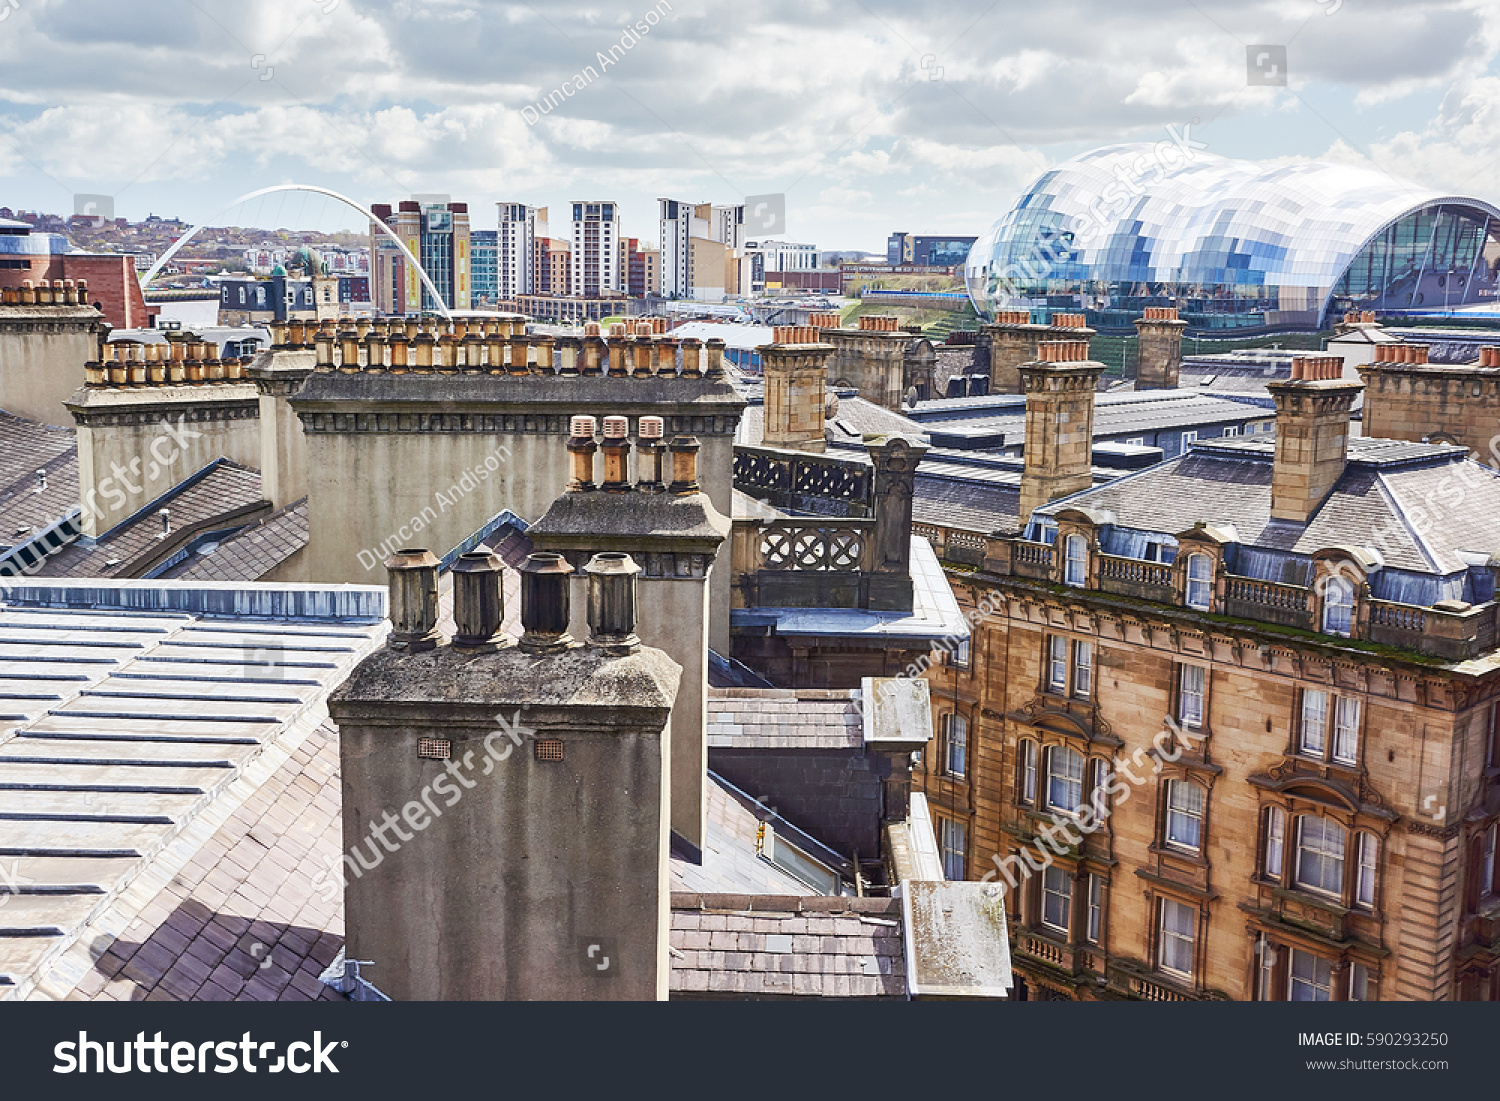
[427,282]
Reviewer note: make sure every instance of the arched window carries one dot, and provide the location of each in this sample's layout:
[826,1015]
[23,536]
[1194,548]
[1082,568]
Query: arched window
[1338,606]
[1200,581]
[1076,568]
[1064,779]
[1184,826]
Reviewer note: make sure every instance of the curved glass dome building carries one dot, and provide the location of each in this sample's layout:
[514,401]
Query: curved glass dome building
[1234,245]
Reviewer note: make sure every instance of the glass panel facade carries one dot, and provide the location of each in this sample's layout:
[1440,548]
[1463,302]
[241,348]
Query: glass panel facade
[1234,245]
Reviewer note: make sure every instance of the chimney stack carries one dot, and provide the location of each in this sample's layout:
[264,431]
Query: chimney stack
[1158,348]
[1059,386]
[1013,339]
[795,368]
[674,533]
[506,809]
[1312,435]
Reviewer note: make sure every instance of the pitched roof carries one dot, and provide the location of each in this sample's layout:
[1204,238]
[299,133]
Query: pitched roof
[219,490]
[965,499]
[1396,496]
[250,553]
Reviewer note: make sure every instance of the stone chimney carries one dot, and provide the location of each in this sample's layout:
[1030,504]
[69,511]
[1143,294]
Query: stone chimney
[1059,387]
[1312,435]
[1409,398]
[667,523]
[795,367]
[871,358]
[1158,348]
[146,422]
[48,333]
[506,806]
[1012,339]
[278,373]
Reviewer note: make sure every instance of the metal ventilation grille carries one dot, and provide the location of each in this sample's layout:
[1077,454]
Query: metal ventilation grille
[549,749]
[438,749]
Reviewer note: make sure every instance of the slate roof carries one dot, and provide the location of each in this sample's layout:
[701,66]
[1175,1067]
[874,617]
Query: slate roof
[1115,414]
[133,740]
[221,488]
[1393,495]
[250,553]
[804,718]
[26,447]
[960,498]
[754,947]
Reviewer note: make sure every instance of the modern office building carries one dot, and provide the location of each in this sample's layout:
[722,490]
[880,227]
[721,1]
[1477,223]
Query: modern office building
[516,256]
[484,283]
[1233,245]
[779,256]
[436,232]
[927,251]
[595,257]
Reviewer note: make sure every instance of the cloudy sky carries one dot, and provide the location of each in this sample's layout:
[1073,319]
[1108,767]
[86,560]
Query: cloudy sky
[870,115]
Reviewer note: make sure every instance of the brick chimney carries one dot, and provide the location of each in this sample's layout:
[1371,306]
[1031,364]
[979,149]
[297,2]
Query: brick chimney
[795,366]
[1312,435]
[1059,386]
[505,806]
[1158,348]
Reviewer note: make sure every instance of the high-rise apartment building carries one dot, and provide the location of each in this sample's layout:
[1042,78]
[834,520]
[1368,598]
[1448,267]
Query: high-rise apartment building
[595,263]
[651,259]
[727,224]
[436,232]
[679,224]
[554,273]
[689,234]
[633,264]
[517,249]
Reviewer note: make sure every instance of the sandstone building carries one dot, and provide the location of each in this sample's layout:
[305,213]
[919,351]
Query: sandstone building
[1227,726]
